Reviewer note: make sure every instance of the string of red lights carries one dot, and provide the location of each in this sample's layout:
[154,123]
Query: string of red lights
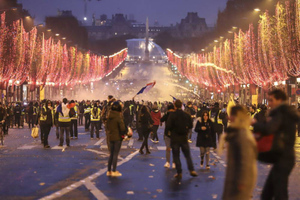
[266,58]
[27,56]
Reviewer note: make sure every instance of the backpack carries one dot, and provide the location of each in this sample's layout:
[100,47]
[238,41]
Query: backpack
[72,112]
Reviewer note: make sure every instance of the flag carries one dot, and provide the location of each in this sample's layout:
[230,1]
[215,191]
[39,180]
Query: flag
[147,88]
[174,99]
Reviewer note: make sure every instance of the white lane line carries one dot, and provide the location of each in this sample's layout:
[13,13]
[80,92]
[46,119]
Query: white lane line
[105,147]
[99,142]
[27,147]
[95,191]
[130,143]
[161,148]
[65,190]
[97,152]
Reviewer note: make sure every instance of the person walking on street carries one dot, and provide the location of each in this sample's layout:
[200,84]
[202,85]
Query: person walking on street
[191,111]
[56,120]
[104,116]
[74,118]
[179,123]
[156,116]
[95,119]
[17,113]
[115,128]
[281,122]
[3,116]
[87,115]
[241,171]
[46,122]
[80,114]
[146,124]
[64,122]
[205,130]
[167,135]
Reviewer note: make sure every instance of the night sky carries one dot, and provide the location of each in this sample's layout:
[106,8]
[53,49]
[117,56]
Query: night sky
[165,11]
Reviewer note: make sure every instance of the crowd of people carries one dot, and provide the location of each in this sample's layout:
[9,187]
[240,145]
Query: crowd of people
[216,124]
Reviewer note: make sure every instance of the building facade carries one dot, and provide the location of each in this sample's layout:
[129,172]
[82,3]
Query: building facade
[120,24]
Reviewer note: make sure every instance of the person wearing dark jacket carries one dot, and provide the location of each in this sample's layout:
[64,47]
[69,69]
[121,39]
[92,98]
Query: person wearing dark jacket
[281,123]
[115,127]
[146,124]
[205,130]
[167,135]
[17,113]
[179,123]
[30,115]
[46,122]
[191,111]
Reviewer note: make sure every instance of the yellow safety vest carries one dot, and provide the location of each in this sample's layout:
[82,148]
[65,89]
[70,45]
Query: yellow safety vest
[96,118]
[76,115]
[62,118]
[87,110]
[43,117]
[218,118]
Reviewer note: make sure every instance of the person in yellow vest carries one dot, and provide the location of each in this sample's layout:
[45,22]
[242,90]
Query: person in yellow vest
[74,127]
[95,119]
[64,122]
[46,122]
[87,115]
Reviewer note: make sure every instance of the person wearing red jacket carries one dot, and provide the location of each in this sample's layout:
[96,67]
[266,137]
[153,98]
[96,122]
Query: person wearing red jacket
[155,115]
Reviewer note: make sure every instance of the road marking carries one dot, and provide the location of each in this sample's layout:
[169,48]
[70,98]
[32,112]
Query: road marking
[28,147]
[130,143]
[99,142]
[222,162]
[83,133]
[95,191]
[65,190]
[58,147]
[161,148]
[105,147]
[97,152]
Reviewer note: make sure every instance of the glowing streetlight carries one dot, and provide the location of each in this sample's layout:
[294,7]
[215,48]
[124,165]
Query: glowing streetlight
[234,27]
[49,30]
[257,10]
[85,18]
[57,34]
[64,38]
[216,41]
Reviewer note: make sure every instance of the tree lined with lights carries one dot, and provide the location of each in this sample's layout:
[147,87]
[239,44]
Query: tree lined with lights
[28,56]
[271,55]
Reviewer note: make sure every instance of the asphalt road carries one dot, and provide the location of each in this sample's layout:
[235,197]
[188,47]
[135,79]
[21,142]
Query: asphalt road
[28,171]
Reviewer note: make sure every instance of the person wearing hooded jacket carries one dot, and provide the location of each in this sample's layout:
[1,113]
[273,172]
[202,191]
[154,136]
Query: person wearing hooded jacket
[156,116]
[115,129]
